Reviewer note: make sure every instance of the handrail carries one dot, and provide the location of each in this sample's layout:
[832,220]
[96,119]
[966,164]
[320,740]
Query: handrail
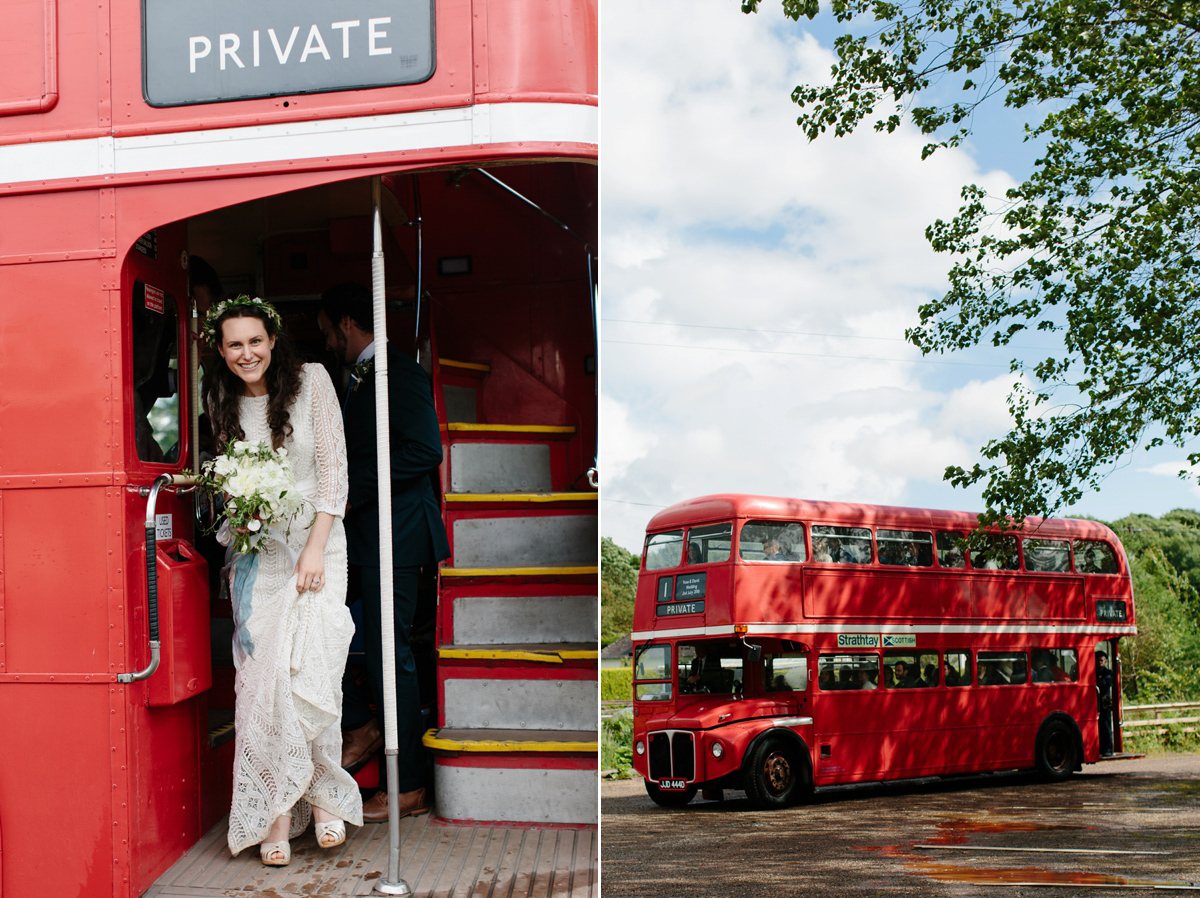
[151,494]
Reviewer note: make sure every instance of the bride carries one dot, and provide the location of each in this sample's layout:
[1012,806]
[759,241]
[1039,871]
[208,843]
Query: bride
[293,629]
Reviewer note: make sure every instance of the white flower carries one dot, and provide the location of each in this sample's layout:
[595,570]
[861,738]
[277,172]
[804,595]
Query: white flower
[254,525]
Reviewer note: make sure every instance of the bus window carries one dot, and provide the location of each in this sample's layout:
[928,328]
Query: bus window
[710,666]
[999,553]
[949,549]
[156,408]
[1053,555]
[1002,668]
[1055,666]
[664,550]
[847,672]
[1094,557]
[654,665]
[956,668]
[771,541]
[841,545]
[910,670]
[905,547]
[709,544]
[785,672]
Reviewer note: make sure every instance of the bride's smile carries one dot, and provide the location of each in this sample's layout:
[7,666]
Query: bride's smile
[246,349]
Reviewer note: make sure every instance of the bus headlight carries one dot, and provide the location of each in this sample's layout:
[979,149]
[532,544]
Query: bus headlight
[718,750]
[639,747]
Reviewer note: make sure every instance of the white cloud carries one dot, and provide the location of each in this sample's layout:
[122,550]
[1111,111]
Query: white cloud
[778,276]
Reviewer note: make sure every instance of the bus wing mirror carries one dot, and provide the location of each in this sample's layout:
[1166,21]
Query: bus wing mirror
[753,653]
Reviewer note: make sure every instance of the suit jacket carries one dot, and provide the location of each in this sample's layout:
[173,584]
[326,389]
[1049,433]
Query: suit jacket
[418,534]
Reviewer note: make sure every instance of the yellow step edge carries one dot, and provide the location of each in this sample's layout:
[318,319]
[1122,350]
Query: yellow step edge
[508,428]
[500,654]
[521,497]
[520,571]
[431,739]
[470,366]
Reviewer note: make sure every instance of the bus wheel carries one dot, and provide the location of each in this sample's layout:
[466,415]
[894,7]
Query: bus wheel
[776,776]
[670,799]
[1055,750]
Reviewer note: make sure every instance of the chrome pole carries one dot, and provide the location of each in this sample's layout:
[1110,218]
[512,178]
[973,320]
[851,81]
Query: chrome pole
[393,884]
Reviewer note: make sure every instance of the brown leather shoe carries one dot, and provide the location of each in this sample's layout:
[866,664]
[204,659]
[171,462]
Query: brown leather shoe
[412,804]
[359,746]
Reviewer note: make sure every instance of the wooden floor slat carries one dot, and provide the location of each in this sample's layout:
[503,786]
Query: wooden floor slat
[437,860]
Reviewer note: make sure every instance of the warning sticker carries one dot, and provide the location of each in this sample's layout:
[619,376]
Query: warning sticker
[154,299]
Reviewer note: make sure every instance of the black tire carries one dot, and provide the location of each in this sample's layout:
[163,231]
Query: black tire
[777,775]
[1056,752]
[671,799]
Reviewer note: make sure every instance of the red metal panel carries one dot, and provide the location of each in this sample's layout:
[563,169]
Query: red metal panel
[55,616]
[538,51]
[29,47]
[55,788]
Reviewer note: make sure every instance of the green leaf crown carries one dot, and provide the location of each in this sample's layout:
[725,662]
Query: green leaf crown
[220,308]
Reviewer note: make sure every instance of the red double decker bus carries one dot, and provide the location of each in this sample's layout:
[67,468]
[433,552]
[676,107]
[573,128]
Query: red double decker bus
[782,645]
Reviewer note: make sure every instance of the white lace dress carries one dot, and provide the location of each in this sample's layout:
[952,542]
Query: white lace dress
[289,648]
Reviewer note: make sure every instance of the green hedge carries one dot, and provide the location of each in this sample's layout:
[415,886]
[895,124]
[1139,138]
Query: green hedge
[616,683]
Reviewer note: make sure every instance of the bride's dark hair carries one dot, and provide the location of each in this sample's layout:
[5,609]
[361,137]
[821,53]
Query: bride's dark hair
[222,387]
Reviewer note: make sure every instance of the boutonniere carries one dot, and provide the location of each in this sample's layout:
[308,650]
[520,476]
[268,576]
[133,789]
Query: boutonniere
[363,370]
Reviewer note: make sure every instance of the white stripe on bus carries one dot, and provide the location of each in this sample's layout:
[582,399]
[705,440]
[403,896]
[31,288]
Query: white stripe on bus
[484,123]
[814,629]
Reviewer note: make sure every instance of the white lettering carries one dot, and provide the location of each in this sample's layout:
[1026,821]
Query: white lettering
[314,44]
[256,48]
[282,55]
[375,34]
[345,27]
[194,51]
[229,46]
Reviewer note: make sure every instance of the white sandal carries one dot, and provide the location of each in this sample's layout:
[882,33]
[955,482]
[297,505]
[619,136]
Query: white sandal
[331,833]
[275,854]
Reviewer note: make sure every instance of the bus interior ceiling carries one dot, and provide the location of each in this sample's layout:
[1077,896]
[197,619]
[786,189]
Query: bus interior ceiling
[507,286]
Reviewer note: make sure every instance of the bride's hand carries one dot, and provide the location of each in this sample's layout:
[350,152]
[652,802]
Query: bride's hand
[310,570]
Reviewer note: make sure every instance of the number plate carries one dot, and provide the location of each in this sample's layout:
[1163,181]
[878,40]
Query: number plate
[672,784]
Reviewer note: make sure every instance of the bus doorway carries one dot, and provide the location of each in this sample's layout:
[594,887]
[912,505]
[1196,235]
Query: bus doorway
[501,264]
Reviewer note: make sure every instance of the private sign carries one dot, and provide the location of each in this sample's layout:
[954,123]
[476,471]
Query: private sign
[230,49]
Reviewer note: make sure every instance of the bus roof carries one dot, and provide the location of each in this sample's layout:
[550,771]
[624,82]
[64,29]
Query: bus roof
[731,506]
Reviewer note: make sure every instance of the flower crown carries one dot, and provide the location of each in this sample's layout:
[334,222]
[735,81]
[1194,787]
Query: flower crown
[220,308]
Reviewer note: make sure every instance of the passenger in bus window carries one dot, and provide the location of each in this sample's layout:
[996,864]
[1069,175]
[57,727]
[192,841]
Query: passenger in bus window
[931,677]
[771,551]
[292,626]
[825,679]
[906,677]
[694,554]
[951,675]
[821,551]
[949,549]
[864,679]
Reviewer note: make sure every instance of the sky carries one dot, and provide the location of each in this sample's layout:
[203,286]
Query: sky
[755,287]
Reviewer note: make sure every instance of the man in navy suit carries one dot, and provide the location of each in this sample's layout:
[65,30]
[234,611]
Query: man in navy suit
[418,534]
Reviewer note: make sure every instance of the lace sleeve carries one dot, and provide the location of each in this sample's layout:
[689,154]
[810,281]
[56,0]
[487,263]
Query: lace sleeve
[333,481]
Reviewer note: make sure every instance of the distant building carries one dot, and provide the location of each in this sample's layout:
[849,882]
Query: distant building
[618,653]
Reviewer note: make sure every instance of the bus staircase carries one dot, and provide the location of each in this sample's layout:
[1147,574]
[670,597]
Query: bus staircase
[516,739]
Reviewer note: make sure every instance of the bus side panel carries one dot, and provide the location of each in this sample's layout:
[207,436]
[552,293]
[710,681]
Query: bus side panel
[56,615]
[56,368]
[849,593]
[1056,598]
[854,737]
[997,595]
[56,790]
[1006,741]
[563,61]
[166,787]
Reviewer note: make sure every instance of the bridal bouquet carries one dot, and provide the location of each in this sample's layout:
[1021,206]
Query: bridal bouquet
[259,487]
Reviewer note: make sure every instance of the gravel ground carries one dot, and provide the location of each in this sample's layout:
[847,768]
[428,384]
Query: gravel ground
[1117,828]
